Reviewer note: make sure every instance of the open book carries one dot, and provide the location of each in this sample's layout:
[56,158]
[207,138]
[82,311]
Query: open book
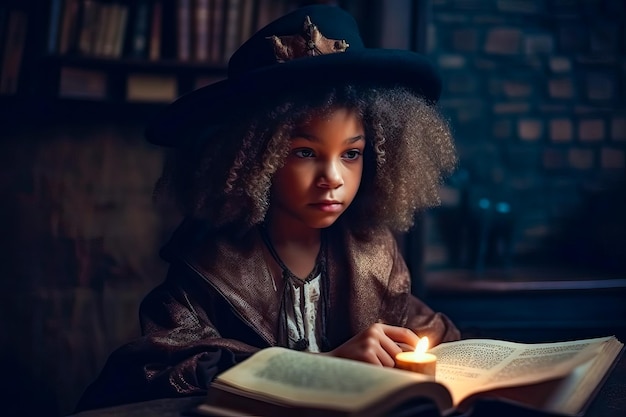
[560,377]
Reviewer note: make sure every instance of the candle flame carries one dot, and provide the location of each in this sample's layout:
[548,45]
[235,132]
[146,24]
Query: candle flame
[422,345]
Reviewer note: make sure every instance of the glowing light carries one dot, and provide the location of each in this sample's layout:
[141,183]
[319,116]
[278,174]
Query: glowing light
[422,345]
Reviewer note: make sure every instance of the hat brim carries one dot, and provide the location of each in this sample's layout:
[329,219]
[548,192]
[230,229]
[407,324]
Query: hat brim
[208,106]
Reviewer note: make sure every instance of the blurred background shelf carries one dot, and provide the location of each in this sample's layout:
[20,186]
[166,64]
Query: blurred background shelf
[531,304]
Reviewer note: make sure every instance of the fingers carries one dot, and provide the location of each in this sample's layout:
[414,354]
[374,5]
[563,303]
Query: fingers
[390,345]
[378,344]
[400,334]
[396,340]
[405,347]
[388,351]
[378,350]
[375,347]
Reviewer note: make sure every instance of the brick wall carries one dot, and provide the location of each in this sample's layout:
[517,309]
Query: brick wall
[535,91]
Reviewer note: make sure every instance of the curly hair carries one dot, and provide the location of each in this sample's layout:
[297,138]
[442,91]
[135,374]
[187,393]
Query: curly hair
[225,176]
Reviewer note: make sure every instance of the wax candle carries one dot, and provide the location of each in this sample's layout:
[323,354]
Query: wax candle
[419,360]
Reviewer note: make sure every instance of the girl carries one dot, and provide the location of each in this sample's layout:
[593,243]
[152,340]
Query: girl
[292,175]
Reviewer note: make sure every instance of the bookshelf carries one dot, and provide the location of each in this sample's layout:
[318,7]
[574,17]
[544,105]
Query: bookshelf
[129,55]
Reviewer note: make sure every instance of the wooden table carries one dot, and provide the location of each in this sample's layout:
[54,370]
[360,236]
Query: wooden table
[610,401]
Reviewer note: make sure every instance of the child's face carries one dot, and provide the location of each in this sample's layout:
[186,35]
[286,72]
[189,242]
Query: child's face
[322,173]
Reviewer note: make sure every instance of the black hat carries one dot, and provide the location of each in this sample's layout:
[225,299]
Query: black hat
[312,45]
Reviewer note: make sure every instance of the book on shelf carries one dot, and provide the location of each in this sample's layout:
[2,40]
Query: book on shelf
[3,23]
[231,28]
[217,30]
[119,32]
[101,26]
[13,50]
[88,27]
[107,30]
[113,30]
[69,26]
[140,29]
[231,23]
[267,11]
[151,88]
[246,20]
[54,24]
[200,30]
[156,31]
[81,83]
[559,377]
[183,30]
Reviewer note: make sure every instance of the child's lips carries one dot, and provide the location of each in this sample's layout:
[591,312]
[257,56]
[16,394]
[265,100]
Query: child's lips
[328,206]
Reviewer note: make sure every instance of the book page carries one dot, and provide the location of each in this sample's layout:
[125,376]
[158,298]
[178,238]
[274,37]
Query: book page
[301,378]
[474,365]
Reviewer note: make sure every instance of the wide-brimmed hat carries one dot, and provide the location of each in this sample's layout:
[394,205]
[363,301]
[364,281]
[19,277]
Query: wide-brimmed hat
[313,45]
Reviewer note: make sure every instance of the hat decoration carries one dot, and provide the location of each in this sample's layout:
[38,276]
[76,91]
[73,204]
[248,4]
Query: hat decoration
[310,42]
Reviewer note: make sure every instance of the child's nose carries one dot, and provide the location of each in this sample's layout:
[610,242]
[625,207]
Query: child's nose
[330,175]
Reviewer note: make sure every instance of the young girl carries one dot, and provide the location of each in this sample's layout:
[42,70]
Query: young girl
[292,175]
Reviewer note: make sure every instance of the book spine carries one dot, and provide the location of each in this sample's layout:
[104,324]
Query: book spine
[101,29]
[4,12]
[151,88]
[120,31]
[246,21]
[17,26]
[183,30]
[217,30]
[69,26]
[54,23]
[231,32]
[83,83]
[264,13]
[110,29]
[89,22]
[201,39]
[156,31]
[140,29]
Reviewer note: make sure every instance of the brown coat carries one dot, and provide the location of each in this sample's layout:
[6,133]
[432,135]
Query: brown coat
[218,305]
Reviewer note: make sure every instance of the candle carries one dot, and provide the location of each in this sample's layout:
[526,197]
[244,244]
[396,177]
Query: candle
[418,360]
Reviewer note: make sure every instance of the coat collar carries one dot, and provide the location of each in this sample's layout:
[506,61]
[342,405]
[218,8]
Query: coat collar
[237,270]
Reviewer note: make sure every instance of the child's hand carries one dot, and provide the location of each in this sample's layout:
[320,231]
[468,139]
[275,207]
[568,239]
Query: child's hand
[378,344]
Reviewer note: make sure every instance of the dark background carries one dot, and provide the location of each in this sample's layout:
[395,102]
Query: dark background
[528,243]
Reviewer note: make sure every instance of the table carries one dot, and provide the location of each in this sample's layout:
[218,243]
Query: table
[610,401]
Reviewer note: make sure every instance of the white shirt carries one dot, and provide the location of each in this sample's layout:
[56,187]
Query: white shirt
[306,300]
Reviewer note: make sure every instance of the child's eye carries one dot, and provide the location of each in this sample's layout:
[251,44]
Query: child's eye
[352,154]
[303,153]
